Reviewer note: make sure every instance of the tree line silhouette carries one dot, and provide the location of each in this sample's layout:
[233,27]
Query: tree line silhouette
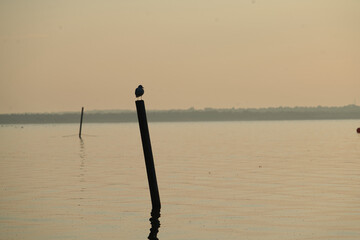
[191,114]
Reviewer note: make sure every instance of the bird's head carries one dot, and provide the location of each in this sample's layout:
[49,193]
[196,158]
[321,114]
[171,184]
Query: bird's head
[140,86]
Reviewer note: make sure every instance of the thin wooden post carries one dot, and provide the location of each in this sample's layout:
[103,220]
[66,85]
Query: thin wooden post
[149,161]
[81,119]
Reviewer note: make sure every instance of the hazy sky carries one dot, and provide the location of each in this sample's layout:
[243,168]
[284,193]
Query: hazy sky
[60,55]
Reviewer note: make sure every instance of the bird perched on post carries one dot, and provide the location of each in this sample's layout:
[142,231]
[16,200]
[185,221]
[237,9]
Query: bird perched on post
[139,91]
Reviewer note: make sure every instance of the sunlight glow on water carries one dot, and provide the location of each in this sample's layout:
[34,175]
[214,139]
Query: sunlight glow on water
[218,180]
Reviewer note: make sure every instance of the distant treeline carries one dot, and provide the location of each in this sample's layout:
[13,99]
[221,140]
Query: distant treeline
[207,114]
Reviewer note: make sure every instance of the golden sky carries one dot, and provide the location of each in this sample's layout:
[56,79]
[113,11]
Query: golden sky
[61,55]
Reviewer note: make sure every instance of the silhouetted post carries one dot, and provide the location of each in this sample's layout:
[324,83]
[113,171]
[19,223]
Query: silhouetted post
[81,119]
[149,161]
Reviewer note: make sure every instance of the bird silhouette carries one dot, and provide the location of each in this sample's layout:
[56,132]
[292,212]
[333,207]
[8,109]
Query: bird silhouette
[139,91]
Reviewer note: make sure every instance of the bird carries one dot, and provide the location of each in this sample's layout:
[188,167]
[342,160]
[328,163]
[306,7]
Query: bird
[139,91]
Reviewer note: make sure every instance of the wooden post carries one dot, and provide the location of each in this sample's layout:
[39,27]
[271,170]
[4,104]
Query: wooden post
[149,161]
[81,119]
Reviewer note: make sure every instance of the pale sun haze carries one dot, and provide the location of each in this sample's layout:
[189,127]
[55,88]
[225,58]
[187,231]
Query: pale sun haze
[62,55]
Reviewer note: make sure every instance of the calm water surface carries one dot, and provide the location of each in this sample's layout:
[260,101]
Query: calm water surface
[218,180]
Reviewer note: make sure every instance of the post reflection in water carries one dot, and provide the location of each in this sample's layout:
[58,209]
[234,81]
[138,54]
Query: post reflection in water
[155,224]
[82,155]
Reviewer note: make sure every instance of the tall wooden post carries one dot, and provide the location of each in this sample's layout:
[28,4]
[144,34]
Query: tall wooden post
[81,119]
[149,161]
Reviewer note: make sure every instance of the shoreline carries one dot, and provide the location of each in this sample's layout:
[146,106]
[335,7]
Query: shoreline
[350,112]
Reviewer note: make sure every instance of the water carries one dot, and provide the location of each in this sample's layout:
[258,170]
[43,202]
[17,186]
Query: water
[217,180]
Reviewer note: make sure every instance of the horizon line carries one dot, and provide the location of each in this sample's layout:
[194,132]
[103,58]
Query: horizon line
[182,109]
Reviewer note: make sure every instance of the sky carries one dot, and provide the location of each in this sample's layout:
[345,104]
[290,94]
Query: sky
[61,55]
